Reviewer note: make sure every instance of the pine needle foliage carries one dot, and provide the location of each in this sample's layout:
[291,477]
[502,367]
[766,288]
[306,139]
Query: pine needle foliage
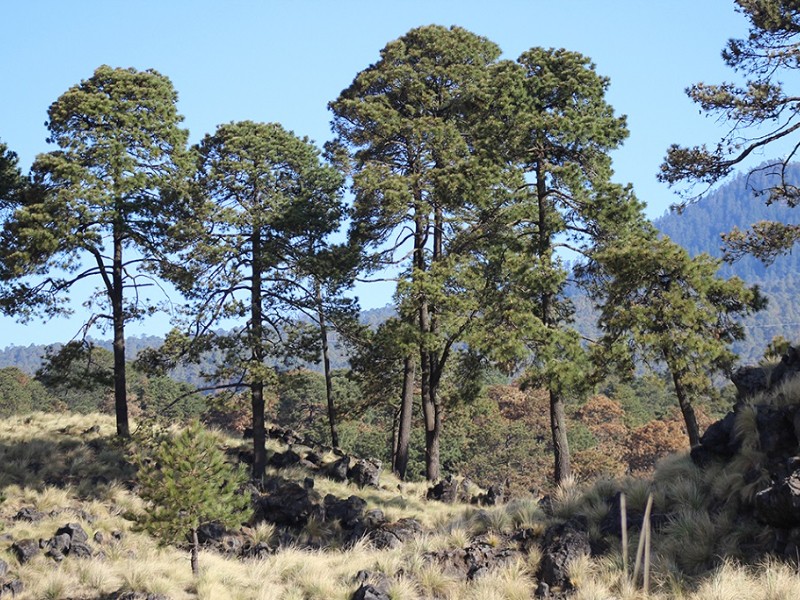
[188,483]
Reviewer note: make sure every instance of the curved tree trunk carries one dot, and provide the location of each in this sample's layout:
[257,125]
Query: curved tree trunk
[689,418]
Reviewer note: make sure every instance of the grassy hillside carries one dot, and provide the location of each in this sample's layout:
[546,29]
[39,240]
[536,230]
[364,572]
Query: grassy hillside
[70,469]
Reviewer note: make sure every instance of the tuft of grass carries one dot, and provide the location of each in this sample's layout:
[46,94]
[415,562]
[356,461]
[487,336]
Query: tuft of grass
[526,513]
[435,584]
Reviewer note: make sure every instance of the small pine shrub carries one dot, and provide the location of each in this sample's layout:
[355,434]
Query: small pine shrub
[188,483]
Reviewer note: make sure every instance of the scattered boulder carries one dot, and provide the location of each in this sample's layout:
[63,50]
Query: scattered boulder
[474,561]
[128,595]
[445,490]
[365,472]
[286,503]
[337,470]
[347,512]
[563,543]
[368,591]
[282,460]
[25,550]
[29,514]
[74,531]
[494,495]
[3,568]
[314,458]
[11,588]
[393,535]
[58,546]
[80,550]
[374,586]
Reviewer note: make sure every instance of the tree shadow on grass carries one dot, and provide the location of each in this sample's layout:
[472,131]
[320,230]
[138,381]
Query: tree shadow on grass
[87,463]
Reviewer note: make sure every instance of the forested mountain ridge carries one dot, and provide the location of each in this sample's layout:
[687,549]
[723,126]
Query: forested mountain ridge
[699,228]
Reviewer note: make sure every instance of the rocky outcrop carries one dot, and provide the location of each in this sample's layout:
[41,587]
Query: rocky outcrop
[445,490]
[563,543]
[25,550]
[365,472]
[286,503]
[768,421]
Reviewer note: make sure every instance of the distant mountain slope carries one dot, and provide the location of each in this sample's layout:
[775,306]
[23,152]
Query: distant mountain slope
[698,229]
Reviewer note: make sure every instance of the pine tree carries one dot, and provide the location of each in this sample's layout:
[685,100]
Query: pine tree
[557,130]
[99,207]
[761,111]
[671,309]
[188,483]
[255,249]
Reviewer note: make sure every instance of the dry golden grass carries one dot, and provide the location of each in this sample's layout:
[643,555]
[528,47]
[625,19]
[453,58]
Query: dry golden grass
[692,541]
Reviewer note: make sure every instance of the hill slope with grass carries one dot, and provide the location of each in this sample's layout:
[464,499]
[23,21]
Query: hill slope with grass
[323,525]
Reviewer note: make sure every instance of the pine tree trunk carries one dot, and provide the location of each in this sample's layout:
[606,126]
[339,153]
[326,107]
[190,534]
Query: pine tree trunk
[558,426]
[118,316]
[195,547]
[257,353]
[406,409]
[689,418]
[428,407]
[423,314]
[558,420]
[433,436]
[326,363]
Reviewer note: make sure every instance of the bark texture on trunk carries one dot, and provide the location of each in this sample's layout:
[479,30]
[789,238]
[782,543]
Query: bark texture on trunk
[406,410]
[257,385]
[326,363]
[685,403]
[195,547]
[558,428]
[118,317]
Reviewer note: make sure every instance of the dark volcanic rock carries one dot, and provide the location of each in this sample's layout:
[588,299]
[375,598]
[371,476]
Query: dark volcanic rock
[392,535]
[476,560]
[29,514]
[286,503]
[365,473]
[776,430]
[717,441]
[80,550]
[563,543]
[25,550]
[779,505]
[347,512]
[58,546]
[74,531]
[374,586]
[282,460]
[11,588]
[210,533]
[337,470]
[444,491]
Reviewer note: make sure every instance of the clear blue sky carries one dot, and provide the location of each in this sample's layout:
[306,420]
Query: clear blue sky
[283,61]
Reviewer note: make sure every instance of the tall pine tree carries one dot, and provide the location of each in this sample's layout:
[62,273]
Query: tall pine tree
[99,207]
